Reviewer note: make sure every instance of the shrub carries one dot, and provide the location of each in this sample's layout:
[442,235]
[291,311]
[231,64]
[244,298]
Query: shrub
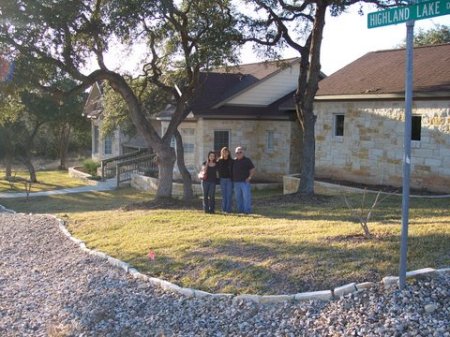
[91,166]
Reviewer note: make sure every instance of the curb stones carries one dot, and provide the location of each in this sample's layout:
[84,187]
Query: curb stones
[345,289]
[324,295]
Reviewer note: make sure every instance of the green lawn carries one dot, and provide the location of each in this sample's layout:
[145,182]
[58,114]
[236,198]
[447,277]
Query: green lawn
[283,248]
[47,181]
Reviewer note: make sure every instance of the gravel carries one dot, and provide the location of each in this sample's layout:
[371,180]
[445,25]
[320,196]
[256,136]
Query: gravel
[49,287]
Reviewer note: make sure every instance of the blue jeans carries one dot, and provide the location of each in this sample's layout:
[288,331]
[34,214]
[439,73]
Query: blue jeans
[243,195]
[209,193]
[226,187]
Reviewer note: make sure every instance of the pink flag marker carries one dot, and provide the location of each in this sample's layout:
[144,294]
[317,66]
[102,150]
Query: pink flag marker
[151,255]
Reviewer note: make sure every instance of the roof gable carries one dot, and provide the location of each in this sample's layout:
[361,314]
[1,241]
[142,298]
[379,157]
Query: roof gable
[272,81]
[215,87]
[252,86]
[383,72]
[93,107]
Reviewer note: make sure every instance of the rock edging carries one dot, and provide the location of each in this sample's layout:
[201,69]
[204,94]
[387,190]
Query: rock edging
[86,177]
[6,210]
[322,295]
[291,183]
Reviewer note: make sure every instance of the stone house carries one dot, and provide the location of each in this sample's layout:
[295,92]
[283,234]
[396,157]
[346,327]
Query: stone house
[111,145]
[360,120]
[238,105]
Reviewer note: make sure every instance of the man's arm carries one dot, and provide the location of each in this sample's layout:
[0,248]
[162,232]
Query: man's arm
[251,174]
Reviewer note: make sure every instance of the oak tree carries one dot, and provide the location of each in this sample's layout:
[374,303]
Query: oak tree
[298,24]
[183,37]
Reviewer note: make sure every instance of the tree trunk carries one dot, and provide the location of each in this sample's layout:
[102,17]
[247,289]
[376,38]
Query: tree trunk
[30,167]
[310,66]
[188,194]
[308,163]
[165,154]
[63,146]
[161,145]
[8,165]
[26,152]
[166,161]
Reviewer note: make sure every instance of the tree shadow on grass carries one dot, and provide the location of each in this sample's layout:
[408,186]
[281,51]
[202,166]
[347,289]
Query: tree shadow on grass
[75,202]
[276,267]
[268,267]
[273,266]
[333,208]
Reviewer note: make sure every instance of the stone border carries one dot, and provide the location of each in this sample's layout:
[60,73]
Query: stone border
[73,172]
[292,181]
[6,210]
[323,295]
[150,184]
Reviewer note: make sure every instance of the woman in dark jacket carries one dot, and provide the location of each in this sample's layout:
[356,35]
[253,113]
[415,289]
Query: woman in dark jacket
[209,180]
[225,166]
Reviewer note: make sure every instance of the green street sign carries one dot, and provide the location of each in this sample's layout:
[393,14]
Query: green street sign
[418,11]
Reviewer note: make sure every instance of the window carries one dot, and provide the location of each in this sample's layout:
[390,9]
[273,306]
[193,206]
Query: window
[416,127]
[221,139]
[96,138]
[339,125]
[188,148]
[188,135]
[108,144]
[269,140]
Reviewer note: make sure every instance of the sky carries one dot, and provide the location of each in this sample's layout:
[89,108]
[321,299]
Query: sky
[346,38]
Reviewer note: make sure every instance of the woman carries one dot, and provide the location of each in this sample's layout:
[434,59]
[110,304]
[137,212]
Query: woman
[224,166]
[209,180]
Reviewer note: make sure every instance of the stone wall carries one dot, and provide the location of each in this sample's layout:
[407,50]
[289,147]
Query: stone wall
[291,184]
[371,149]
[270,164]
[149,184]
[73,172]
[117,139]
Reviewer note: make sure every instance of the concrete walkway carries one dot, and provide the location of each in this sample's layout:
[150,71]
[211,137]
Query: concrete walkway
[107,185]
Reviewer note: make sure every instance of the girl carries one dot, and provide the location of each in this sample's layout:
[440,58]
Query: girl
[224,166]
[208,181]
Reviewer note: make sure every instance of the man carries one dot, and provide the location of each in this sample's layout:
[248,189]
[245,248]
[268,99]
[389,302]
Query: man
[243,171]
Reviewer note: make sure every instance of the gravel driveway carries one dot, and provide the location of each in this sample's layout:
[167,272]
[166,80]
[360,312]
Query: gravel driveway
[49,287]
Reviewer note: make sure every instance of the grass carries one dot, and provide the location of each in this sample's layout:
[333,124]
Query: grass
[285,247]
[47,181]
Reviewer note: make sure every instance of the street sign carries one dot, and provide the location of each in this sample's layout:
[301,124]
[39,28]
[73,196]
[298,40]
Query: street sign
[418,11]
[408,14]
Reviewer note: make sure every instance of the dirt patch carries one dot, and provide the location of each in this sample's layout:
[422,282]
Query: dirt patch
[382,188]
[196,203]
[164,203]
[316,199]
[356,238]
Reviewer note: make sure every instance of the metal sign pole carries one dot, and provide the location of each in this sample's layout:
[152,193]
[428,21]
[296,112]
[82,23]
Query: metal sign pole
[407,148]
[415,11]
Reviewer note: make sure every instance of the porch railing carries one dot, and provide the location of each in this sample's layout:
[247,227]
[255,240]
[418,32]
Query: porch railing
[143,165]
[108,166]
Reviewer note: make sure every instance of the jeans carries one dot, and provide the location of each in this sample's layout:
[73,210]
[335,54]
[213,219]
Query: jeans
[209,199]
[226,187]
[243,195]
